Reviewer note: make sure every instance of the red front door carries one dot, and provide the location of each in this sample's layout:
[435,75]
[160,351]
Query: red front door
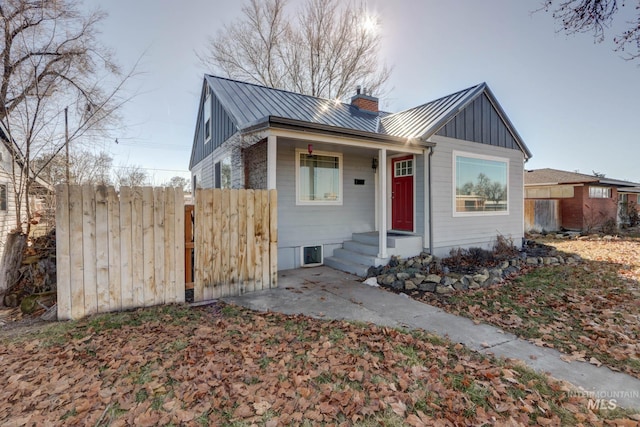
[402,193]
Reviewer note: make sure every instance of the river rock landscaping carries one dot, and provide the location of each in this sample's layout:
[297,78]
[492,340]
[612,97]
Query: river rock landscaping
[465,269]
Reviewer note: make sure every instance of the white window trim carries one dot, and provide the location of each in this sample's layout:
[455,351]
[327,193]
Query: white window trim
[340,182]
[390,177]
[453,185]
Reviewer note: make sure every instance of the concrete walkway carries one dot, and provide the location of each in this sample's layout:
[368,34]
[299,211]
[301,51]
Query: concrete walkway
[330,294]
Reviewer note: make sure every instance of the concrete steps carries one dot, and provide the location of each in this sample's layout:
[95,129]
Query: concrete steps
[360,253]
[347,266]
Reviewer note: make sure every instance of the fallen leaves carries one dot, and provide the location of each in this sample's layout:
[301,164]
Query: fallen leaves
[589,311]
[265,369]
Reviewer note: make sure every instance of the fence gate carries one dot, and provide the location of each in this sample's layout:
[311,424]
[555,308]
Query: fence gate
[235,242]
[188,246]
[137,247]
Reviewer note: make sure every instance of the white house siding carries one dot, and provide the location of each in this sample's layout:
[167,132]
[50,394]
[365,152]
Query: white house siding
[327,225]
[478,230]
[7,217]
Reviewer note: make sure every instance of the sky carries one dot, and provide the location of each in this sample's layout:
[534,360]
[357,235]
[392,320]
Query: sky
[574,102]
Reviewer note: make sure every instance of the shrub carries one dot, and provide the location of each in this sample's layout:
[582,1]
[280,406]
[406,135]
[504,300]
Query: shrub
[470,259]
[609,226]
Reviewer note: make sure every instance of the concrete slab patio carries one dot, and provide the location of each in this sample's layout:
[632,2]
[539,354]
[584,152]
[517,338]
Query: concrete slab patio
[325,293]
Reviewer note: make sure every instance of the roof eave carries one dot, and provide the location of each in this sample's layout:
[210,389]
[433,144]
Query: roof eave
[559,183]
[617,182]
[634,190]
[282,122]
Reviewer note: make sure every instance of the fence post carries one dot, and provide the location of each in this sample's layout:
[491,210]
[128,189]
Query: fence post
[63,268]
[273,237]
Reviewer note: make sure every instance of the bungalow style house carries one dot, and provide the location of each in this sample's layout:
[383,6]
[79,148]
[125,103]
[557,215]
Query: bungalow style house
[584,202]
[357,185]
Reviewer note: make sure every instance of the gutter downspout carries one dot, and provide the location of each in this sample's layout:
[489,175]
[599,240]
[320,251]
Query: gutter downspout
[382,228]
[430,203]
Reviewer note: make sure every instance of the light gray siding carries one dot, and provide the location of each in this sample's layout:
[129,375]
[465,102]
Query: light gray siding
[478,230]
[204,172]
[328,225]
[420,194]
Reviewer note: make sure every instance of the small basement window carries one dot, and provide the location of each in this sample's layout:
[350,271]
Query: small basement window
[311,256]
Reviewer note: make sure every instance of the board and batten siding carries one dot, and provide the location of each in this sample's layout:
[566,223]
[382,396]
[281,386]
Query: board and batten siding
[451,231]
[327,225]
[480,122]
[222,128]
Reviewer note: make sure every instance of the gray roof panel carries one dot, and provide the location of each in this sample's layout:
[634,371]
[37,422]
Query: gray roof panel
[248,103]
[426,119]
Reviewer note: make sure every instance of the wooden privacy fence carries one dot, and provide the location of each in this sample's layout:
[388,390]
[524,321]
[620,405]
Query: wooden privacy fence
[542,214]
[118,251]
[236,242]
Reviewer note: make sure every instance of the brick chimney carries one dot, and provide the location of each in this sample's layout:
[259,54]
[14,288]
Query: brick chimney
[364,101]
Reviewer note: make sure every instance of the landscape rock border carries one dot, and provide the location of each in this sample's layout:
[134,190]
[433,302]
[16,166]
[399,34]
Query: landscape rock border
[428,274]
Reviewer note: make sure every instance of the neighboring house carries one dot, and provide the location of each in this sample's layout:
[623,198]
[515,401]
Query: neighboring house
[585,202]
[10,167]
[356,185]
[8,218]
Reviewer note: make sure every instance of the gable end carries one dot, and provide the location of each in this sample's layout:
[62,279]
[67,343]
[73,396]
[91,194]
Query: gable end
[480,122]
[222,128]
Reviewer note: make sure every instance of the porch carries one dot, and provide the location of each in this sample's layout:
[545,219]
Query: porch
[363,251]
[345,196]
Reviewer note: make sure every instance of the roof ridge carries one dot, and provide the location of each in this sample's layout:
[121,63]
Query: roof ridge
[438,99]
[287,91]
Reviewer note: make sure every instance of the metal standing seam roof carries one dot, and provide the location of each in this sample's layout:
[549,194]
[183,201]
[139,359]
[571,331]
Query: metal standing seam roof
[248,104]
[251,104]
[428,118]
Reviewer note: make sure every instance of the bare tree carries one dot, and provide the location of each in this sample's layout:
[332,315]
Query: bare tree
[85,167]
[56,77]
[178,181]
[328,52]
[131,176]
[596,16]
